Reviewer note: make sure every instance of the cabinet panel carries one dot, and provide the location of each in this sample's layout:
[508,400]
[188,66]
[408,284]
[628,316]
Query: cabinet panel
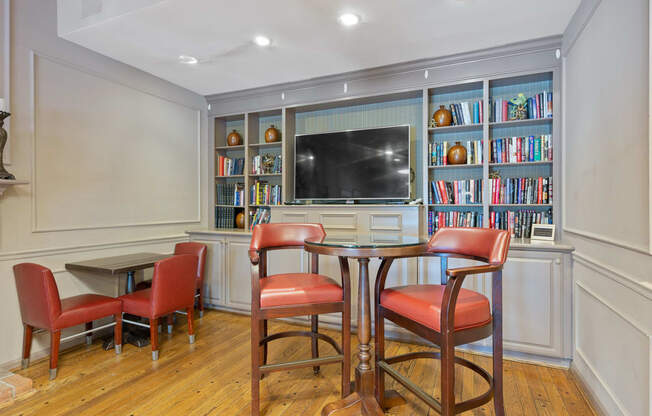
[238,274]
[214,272]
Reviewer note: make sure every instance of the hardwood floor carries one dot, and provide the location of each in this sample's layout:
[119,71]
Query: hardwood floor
[211,377]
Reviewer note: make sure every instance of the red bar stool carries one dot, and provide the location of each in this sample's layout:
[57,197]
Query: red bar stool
[293,294]
[42,308]
[173,288]
[199,251]
[447,315]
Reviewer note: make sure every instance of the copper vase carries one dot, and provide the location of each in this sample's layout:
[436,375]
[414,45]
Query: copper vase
[456,155]
[239,220]
[234,138]
[272,135]
[443,117]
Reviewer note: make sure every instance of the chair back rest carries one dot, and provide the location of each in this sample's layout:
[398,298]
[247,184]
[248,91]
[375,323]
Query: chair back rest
[38,295]
[484,243]
[173,284]
[284,235]
[199,251]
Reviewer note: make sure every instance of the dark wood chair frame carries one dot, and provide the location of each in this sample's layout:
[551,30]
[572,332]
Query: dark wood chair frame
[447,339]
[260,337]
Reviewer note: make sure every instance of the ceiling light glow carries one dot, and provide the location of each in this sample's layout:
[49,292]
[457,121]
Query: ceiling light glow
[262,40]
[187,59]
[349,19]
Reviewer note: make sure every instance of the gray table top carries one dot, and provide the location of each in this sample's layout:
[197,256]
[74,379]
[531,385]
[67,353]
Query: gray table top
[118,264]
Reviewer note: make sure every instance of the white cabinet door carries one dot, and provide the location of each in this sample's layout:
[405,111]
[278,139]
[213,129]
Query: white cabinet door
[214,272]
[238,273]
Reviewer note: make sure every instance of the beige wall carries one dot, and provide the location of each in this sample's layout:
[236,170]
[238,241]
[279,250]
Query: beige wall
[606,200]
[116,160]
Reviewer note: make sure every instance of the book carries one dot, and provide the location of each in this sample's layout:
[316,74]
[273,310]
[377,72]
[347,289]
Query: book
[519,223]
[442,219]
[438,151]
[465,191]
[537,106]
[521,149]
[520,190]
[466,113]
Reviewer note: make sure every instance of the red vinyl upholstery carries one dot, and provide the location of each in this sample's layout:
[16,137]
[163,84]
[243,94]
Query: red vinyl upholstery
[173,288]
[485,243]
[297,289]
[422,304]
[198,250]
[283,234]
[41,307]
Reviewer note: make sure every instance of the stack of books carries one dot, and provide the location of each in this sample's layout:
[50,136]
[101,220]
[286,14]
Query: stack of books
[224,217]
[259,216]
[521,190]
[521,149]
[230,194]
[519,223]
[437,220]
[262,193]
[438,152]
[229,167]
[538,106]
[467,113]
[258,169]
[466,191]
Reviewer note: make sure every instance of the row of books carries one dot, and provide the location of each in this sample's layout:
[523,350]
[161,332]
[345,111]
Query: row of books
[230,194]
[438,152]
[229,167]
[521,149]
[519,223]
[467,113]
[538,106]
[262,193]
[465,191]
[224,217]
[259,216]
[521,190]
[257,167]
[441,219]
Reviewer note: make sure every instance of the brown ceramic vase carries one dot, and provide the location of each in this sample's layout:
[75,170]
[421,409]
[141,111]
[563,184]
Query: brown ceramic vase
[272,135]
[443,117]
[239,220]
[456,155]
[234,139]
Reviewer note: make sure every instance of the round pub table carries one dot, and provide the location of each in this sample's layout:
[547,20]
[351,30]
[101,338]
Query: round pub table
[363,247]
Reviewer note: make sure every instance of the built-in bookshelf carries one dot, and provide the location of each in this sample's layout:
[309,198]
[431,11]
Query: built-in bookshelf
[245,181]
[515,163]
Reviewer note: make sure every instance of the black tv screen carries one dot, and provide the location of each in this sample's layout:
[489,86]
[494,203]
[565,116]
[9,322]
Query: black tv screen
[353,164]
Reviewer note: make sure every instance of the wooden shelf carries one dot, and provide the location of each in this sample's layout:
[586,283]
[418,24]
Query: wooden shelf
[264,205]
[239,147]
[265,174]
[541,162]
[274,144]
[520,205]
[514,123]
[455,205]
[449,129]
[473,165]
[229,206]
[229,176]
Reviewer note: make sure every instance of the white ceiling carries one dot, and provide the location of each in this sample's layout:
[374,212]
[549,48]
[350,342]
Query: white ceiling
[307,40]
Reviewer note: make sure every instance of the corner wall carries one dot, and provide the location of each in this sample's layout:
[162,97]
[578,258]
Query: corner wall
[606,200]
[116,159]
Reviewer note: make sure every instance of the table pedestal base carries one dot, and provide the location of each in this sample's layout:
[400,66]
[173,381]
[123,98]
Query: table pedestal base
[363,401]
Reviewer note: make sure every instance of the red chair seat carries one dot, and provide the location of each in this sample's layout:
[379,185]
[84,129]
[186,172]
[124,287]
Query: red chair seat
[79,309]
[138,303]
[298,289]
[422,303]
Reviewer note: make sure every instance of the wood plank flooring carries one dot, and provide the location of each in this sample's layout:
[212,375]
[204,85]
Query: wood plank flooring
[211,377]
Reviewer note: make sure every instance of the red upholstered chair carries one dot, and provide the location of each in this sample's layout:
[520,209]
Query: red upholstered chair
[293,294]
[448,315]
[199,251]
[42,308]
[173,288]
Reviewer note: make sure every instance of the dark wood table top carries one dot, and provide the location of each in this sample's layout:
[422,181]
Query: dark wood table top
[118,264]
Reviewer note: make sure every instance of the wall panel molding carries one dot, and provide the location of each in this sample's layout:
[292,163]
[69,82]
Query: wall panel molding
[33,92]
[5,91]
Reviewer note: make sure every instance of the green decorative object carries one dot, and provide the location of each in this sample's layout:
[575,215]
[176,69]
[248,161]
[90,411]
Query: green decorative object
[518,110]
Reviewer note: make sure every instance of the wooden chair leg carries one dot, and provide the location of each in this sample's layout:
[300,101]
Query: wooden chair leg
[27,344]
[153,334]
[379,339]
[117,333]
[191,330]
[55,341]
[255,366]
[264,335]
[346,349]
[170,322]
[447,375]
[499,406]
[314,341]
[89,336]
[200,300]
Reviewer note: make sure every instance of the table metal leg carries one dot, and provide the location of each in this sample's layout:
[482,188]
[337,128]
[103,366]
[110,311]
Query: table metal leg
[130,334]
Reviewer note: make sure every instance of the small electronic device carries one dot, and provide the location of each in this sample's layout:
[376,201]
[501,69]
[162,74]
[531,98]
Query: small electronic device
[544,232]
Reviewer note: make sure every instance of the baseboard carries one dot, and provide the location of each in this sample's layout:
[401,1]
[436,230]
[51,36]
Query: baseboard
[596,393]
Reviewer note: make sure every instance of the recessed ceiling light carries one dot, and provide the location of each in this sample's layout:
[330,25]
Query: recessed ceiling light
[187,59]
[349,19]
[262,40]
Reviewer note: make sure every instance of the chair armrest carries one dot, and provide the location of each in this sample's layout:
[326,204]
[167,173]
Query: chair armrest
[463,271]
[254,256]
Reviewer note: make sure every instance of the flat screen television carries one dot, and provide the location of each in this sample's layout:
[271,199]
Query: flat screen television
[353,164]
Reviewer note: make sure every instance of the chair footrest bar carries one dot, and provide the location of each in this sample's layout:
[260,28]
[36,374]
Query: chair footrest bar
[110,324]
[135,323]
[430,401]
[308,334]
[313,362]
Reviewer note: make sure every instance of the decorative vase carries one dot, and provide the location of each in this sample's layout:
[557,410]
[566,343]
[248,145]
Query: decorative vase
[234,138]
[518,112]
[3,140]
[456,155]
[443,117]
[239,220]
[272,135]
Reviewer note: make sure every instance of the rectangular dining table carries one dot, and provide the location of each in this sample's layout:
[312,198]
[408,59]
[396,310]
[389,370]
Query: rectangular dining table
[114,267]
